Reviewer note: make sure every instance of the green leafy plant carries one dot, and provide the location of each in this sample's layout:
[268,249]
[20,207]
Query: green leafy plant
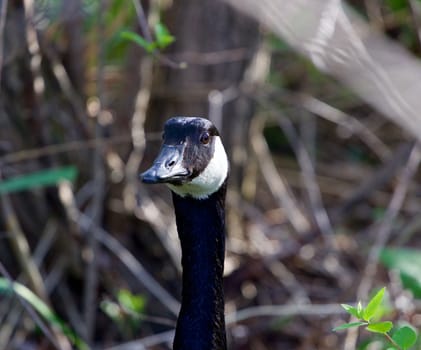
[162,39]
[403,338]
[406,261]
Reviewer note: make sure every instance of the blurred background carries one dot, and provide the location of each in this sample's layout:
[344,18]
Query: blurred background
[319,106]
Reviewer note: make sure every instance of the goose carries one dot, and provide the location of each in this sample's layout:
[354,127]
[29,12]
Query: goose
[193,163]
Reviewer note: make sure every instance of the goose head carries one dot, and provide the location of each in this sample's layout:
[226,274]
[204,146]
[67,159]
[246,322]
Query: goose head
[192,161]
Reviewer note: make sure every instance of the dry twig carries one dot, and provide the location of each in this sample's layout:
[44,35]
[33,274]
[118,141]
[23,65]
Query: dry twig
[277,185]
[3,13]
[90,300]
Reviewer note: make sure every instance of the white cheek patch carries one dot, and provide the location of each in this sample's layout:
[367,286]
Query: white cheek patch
[210,179]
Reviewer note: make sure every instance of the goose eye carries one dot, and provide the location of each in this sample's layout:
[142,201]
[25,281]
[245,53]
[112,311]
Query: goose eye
[205,138]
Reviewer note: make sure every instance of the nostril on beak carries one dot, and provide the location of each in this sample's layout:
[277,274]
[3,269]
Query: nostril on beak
[170,163]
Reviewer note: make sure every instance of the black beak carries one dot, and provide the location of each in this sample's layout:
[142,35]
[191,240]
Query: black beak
[167,167]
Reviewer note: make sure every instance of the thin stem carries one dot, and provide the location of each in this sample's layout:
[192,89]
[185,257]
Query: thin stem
[143,21]
[91,275]
[79,145]
[3,12]
[389,338]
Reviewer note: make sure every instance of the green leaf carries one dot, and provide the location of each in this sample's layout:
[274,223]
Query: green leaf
[132,302]
[373,305]
[139,40]
[163,36]
[7,287]
[349,325]
[38,179]
[360,310]
[397,5]
[351,310]
[405,337]
[407,262]
[380,327]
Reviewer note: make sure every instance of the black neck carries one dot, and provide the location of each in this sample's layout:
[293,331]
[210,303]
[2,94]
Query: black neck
[201,228]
